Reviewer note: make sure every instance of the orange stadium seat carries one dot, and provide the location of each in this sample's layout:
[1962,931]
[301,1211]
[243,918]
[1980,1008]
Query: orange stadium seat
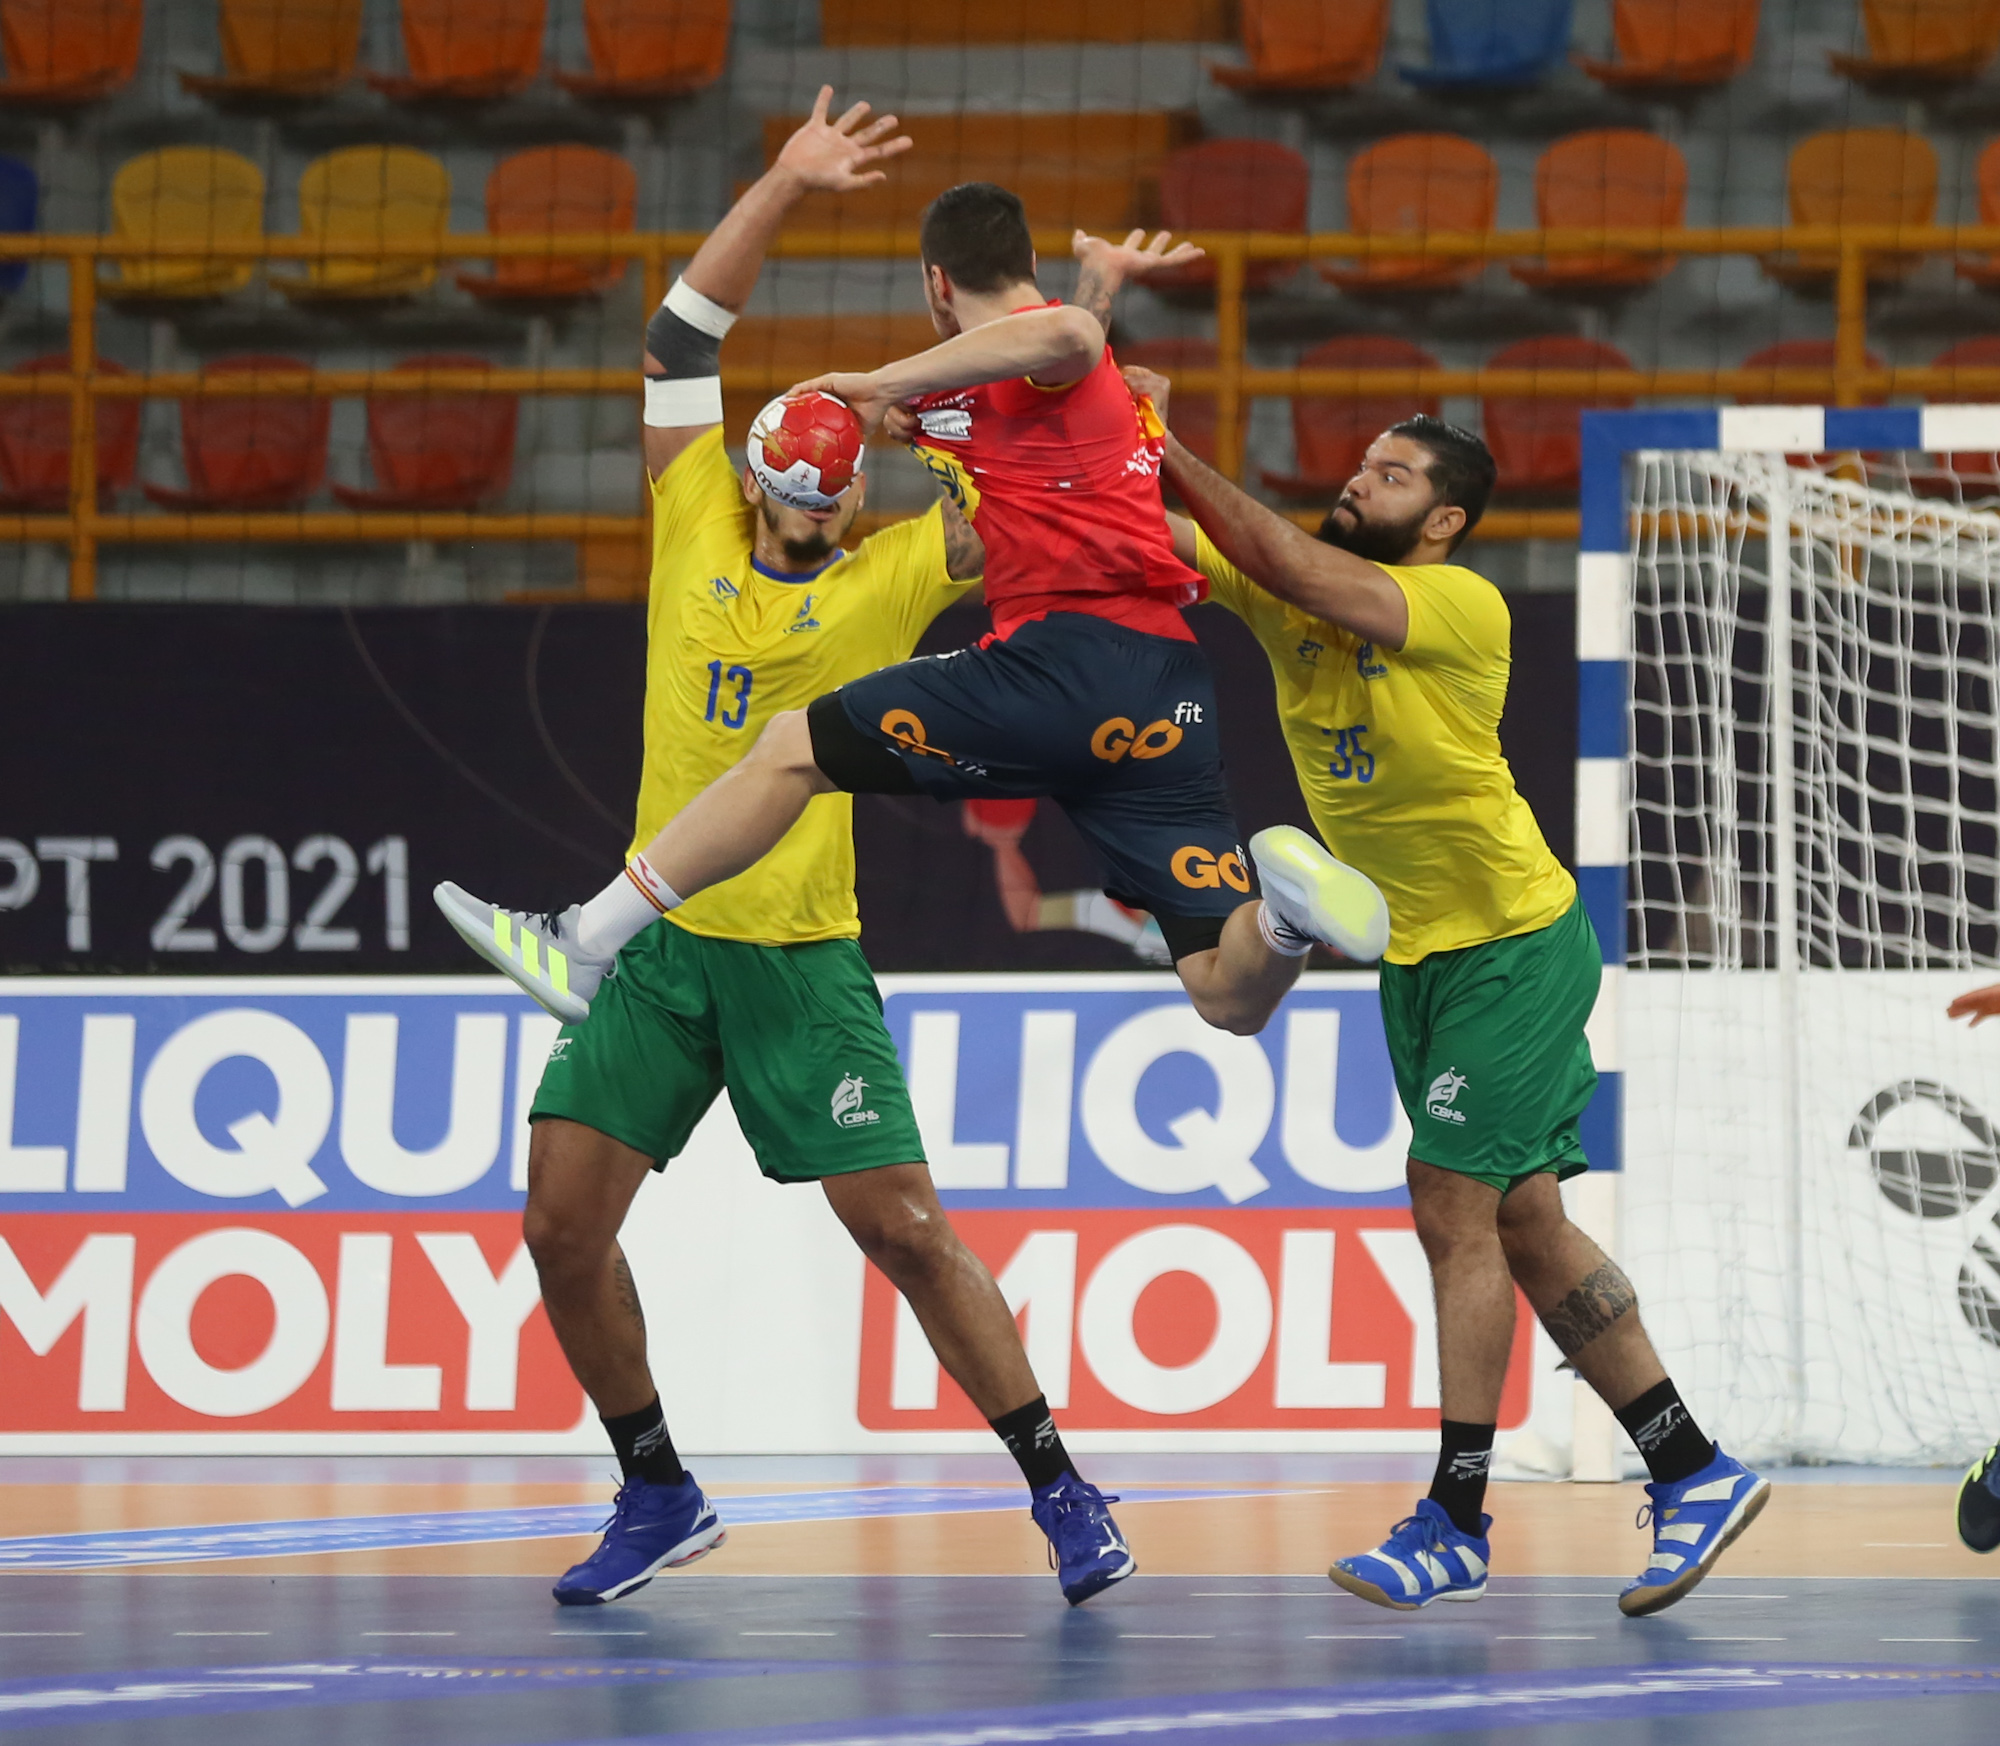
[1858,175]
[1923,42]
[1985,272]
[1232,184]
[1308,45]
[1095,168]
[1409,185]
[1663,43]
[895,23]
[69,51]
[361,196]
[437,451]
[1330,433]
[794,347]
[1191,413]
[184,194]
[547,191]
[467,48]
[651,48]
[34,442]
[1609,178]
[254,452]
[282,48]
[1538,444]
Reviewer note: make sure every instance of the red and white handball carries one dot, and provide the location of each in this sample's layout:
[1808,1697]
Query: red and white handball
[805,452]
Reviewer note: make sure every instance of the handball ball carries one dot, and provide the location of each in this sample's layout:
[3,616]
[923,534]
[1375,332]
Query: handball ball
[806,452]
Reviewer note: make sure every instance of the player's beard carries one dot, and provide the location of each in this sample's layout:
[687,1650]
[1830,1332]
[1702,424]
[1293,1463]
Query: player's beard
[1378,542]
[815,548]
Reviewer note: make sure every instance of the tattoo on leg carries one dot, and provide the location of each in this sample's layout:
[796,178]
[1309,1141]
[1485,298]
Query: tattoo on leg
[1595,1304]
[628,1292]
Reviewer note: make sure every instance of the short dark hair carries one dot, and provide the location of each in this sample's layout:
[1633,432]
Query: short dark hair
[1461,469]
[978,233]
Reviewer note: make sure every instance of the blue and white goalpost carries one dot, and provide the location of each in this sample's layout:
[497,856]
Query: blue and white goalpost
[1788,776]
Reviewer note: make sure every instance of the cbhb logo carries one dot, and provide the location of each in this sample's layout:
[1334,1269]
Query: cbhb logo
[848,1097]
[1443,1094]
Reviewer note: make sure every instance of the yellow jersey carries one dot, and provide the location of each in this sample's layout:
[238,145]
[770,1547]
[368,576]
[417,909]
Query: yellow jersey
[1398,755]
[729,645]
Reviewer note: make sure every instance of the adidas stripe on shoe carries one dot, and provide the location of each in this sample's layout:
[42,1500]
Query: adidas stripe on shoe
[1426,1557]
[1693,1522]
[539,952]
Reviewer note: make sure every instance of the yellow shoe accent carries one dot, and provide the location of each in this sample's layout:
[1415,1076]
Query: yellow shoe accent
[503,932]
[558,971]
[531,959]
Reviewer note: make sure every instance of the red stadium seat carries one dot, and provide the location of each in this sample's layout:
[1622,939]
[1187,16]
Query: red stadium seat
[34,442]
[1537,444]
[1330,433]
[437,451]
[545,191]
[257,452]
[1232,184]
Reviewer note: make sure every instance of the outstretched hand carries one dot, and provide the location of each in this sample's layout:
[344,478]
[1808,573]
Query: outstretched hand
[1980,1004]
[1135,257]
[867,401]
[837,157]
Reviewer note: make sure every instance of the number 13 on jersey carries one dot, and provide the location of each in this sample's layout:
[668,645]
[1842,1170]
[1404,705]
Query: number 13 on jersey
[728,695]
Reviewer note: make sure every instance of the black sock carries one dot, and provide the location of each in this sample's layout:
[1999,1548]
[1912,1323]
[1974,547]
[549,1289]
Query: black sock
[1672,1443]
[1032,1439]
[1465,1452]
[644,1449]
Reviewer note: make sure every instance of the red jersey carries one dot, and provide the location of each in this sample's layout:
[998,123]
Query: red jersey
[1063,486]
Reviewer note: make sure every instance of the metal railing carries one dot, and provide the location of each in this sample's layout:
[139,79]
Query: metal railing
[84,527]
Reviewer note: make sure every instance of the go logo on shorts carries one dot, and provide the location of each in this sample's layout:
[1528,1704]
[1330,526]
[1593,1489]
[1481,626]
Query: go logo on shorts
[1196,867]
[1117,737]
[907,730]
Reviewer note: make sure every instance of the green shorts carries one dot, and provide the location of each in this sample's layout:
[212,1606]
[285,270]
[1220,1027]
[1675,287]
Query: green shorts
[1491,1061]
[794,1033]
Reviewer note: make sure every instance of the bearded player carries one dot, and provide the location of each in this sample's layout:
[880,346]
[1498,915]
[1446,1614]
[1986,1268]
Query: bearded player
[1391,666]
[759,986]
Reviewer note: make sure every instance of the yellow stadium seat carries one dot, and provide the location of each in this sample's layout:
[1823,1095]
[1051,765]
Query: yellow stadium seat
[364,195]
[184,194]
[282,48]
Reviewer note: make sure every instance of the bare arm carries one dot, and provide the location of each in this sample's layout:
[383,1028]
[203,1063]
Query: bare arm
[834,156]
[1103,267]
[964,550]
[1285,560]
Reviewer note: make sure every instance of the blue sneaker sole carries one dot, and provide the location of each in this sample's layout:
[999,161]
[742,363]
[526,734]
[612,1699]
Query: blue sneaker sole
[1362,1589]
[1636,1603]
[1098,1581]
[697,1546]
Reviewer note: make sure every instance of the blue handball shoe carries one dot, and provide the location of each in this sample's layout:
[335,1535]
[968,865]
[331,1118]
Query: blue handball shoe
[1692,1523]
[1979,1503]
[1085,1546]
[652,1528]
[1425,1558]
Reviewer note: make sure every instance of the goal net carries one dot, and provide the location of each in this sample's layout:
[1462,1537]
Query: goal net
[1812,1198]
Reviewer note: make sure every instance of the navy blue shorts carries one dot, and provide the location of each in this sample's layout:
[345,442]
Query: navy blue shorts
[1116,725]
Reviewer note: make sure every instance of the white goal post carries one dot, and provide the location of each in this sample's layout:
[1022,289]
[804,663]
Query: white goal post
[1788,631]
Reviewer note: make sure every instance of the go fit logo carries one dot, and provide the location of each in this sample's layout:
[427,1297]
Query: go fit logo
[1117,738]
[1194,866]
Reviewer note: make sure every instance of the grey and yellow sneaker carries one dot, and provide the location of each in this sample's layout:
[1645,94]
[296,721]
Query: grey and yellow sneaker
[538,951]
[1979,1503]
[1316,897]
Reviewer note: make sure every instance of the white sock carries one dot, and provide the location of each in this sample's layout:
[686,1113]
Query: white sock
[1280,935]
[629,905]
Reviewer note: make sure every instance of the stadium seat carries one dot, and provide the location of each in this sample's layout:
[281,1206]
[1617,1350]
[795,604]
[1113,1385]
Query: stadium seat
[1191,413]
[437,451]
[1492,44]
[1610,177]
[900,23]
[282,48]
[1538,444]
[183,194]
[546,191]
[1985,273]
[1982,352]
[34,443]
[466,49]
[1092,168]
[1413,184]
[365,195]
[1330,433]
[69,51]
[650,48]
[1232,184]
[1858,175]
[1666,43]
[1923,42]
[256,452]
[20,204]
[1308,45]
[794,347]
[1795,355]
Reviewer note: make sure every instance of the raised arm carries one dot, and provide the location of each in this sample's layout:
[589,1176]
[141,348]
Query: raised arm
[1285,560]
[1103,267]
[684,337]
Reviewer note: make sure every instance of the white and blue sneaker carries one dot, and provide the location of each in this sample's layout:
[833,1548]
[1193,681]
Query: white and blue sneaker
[1311,896]
[1426,1557]
[1085,1546]
[652,1528]
[1692,1523]
[539,952]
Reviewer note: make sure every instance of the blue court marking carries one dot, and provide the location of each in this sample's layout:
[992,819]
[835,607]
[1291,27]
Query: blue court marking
[1383,1709]
[556,1521]
[159,1694]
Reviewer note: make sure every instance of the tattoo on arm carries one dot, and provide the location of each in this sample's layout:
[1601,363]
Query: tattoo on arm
[628,1291]
[1590,1309]
[964,550]
[1094,293]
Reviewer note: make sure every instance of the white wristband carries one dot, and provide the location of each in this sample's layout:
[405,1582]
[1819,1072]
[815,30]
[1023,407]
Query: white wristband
[684,401]
[702,313]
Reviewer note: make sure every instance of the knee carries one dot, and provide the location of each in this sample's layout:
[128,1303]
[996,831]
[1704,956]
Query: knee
[785,743]
[564,1249]
[1528,1228]
[907,1242]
